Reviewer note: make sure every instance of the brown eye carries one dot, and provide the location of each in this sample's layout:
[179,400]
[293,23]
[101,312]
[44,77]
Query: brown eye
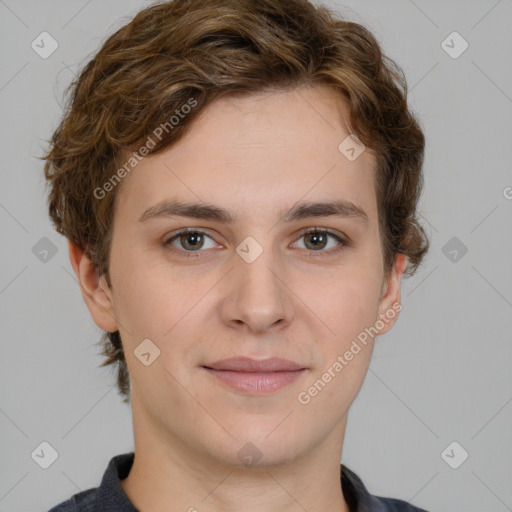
[190,241]
[317,240]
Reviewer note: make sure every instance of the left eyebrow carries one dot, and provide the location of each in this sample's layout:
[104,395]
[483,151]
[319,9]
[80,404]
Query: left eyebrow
[340,208]
[300,211]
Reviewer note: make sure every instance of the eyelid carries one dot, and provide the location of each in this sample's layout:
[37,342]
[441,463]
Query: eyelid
[172,236]
[343,240]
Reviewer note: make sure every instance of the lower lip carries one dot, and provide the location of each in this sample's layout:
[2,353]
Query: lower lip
[256,382]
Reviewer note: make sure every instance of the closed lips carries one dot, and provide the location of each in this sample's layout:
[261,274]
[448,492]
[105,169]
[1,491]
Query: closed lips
[246,364]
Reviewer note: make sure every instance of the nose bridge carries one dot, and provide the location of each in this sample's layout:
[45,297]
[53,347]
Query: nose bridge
[258,296]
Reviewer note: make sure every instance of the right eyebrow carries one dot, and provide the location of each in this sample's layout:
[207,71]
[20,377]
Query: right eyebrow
[166,209]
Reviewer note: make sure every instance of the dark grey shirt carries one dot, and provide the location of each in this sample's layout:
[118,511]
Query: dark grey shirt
[110,496]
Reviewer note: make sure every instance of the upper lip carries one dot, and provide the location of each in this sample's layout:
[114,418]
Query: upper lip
[246,364]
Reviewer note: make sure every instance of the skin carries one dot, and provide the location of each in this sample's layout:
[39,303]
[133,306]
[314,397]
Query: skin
[253,155]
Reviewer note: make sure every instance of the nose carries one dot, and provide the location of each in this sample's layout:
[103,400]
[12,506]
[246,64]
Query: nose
[257,296]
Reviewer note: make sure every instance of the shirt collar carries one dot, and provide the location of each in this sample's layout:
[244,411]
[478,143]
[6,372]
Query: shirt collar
[112,498]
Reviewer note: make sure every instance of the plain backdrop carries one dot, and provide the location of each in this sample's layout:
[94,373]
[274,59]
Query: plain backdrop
[441,375]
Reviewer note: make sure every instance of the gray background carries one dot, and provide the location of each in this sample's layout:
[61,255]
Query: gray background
[442,374]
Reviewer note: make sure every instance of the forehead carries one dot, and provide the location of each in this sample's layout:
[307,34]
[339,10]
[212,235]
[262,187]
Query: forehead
[255,154]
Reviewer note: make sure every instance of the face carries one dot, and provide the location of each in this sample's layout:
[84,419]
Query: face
[277,280]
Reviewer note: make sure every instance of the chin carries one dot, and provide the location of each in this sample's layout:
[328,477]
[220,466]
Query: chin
[261,445]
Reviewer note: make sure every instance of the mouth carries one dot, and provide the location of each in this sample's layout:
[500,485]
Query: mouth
[251,376]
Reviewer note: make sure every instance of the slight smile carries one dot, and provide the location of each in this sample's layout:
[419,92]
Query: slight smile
[255,377]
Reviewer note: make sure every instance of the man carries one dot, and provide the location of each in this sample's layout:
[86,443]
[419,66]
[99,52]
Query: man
[238,183]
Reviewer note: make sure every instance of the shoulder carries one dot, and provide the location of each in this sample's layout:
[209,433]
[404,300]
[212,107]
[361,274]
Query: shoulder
[82,502]
[359,499]
[395,505]
[108,496]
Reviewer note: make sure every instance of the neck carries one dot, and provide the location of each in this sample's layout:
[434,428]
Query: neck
[170,474]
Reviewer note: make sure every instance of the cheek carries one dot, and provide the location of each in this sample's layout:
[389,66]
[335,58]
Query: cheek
[349,304]
[345,353]
[157,305]
[148,301]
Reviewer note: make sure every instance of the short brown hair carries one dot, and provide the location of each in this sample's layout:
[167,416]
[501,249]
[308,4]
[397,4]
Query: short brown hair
[205,49]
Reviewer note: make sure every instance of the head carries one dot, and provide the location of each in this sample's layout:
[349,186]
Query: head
[244,109]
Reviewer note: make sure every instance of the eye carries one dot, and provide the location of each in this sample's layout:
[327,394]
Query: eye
[190,240]
[317,239]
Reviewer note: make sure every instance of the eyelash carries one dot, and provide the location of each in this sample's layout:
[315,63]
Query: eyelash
[319,231]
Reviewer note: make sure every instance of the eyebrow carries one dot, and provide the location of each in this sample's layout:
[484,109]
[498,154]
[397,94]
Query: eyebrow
[300,211]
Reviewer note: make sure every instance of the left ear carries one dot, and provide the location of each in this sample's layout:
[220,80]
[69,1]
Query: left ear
[390,301]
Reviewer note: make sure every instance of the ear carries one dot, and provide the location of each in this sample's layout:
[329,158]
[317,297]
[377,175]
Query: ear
[95,291]
[390,303]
